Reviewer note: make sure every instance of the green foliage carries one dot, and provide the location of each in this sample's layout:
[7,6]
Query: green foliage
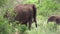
[30,1]
[23,29]
[47,7]
[5,28]
[44,8]
[52,26]
[3,2]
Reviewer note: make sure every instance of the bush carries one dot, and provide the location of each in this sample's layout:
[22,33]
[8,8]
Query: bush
[3,2]
[22,29]
[47,7]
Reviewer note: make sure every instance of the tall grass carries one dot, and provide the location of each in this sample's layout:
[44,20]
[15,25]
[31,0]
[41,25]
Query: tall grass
[45,8]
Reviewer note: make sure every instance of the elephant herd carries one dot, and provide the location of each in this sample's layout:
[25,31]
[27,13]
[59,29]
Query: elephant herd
[26,13]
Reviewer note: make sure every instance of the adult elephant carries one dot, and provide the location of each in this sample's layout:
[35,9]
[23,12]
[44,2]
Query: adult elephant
[25,13]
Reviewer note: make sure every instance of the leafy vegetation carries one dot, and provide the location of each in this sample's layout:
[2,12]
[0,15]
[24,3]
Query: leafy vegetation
[45,8]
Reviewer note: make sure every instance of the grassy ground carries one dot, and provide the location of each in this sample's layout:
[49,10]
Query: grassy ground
[44,28]
[42,16]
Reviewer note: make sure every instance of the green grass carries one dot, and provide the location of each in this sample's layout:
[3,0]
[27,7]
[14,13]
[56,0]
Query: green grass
[44,10]
[44,28]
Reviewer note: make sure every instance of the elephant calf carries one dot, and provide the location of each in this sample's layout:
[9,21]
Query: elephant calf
[54,18]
